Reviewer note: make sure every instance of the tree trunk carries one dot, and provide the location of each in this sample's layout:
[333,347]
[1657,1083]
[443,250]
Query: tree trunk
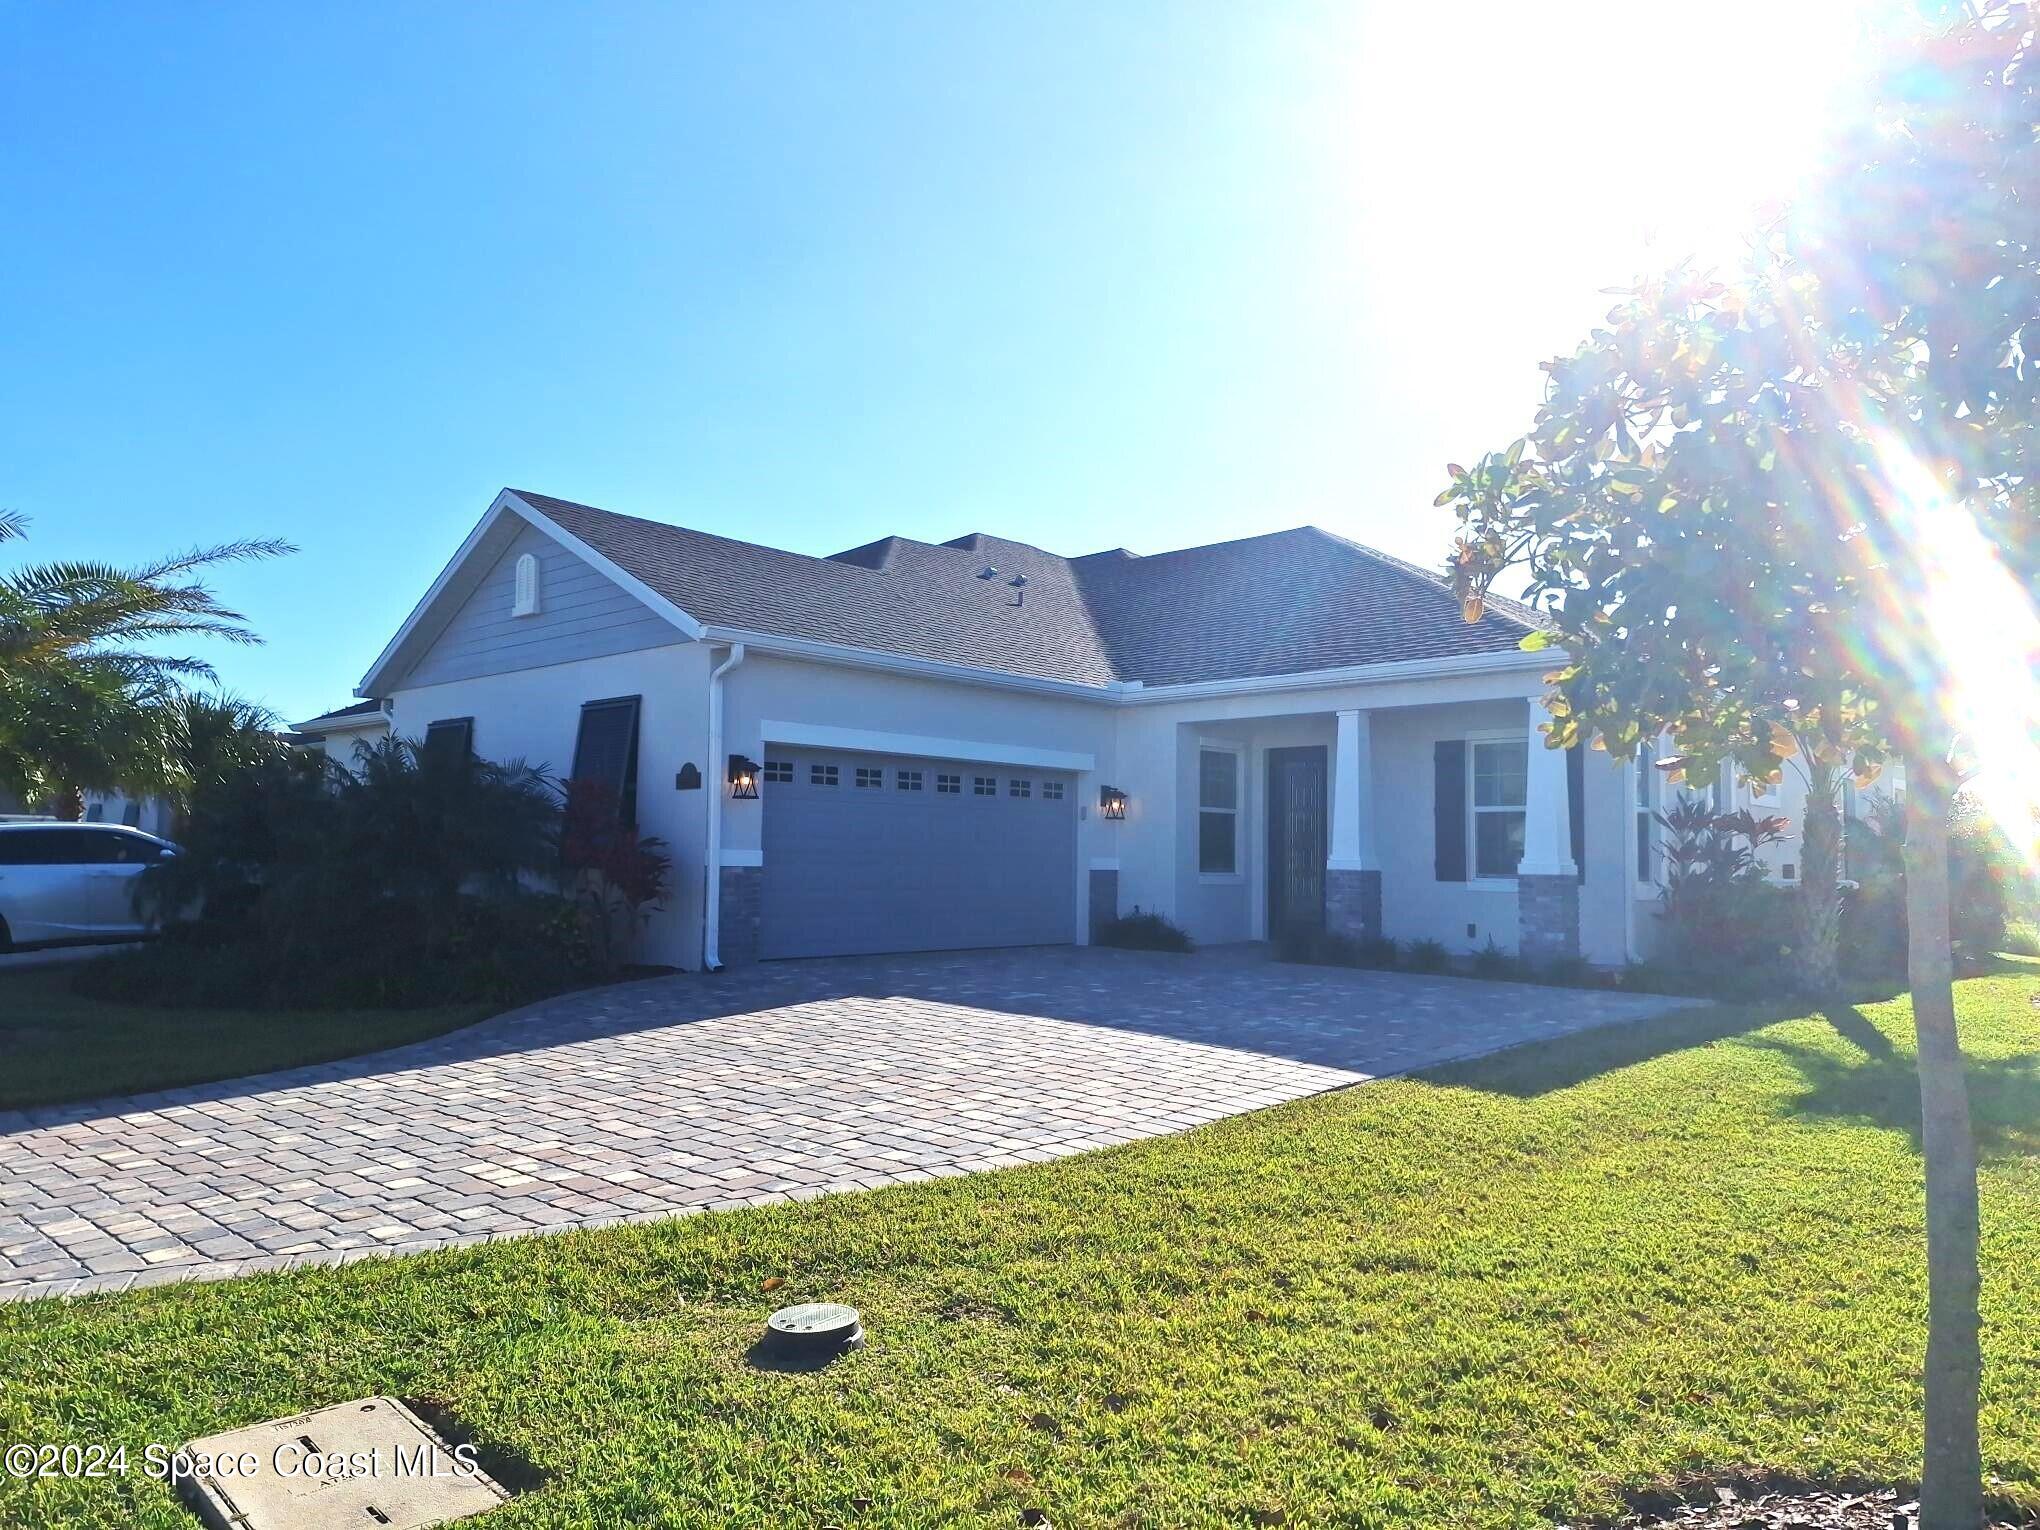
[1820,900]
[1951,1494]
[68,804]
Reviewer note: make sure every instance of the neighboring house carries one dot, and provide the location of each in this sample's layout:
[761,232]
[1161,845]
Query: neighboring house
[910,746]
[335,734]
[152,815]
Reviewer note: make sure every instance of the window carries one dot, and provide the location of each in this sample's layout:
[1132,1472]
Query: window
[1218,812]
[1052,791]
[452,737]
[780,771]
[1020,786]
[1501,785]
[524,599]
[821,775]
[909,780]
[606,752]
[985,786]
[72,846]
[131,815]
[870,775]
[948,785]
[1646,818]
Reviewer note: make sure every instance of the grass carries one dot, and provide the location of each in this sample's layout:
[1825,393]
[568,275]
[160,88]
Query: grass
[56,1045]
[1502,1293]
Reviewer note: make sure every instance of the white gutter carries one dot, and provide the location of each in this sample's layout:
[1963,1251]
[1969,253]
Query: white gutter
[1134,692]
[712,784]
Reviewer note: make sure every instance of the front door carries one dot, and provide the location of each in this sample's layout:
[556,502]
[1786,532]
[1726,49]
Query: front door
[1297,842]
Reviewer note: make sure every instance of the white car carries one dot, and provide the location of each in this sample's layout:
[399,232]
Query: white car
[63,883]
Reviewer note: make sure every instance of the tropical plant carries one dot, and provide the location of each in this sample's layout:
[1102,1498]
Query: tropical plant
[616,873]
[1795,516]
[414,878]
[83,691]
[1722,913]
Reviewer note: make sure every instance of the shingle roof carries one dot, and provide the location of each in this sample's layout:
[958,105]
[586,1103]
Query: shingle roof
[1285,603]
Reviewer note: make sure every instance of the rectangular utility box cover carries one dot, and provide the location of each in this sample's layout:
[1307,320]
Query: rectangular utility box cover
[365,1465]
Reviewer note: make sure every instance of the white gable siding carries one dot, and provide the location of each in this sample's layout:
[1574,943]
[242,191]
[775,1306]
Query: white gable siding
[583,614]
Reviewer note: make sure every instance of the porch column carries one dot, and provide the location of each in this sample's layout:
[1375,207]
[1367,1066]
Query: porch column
[1353,868]
[1547,880]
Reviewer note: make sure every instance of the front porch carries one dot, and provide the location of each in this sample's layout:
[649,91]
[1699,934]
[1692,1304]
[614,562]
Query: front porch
[1446,821]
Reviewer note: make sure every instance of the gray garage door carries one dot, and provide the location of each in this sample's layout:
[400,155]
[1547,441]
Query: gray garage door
[871,852]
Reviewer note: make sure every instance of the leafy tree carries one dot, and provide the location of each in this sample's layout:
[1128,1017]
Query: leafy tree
[83,693]
[1796,517]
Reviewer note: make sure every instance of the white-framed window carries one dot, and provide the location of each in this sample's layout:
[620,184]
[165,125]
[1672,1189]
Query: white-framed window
[1019,786]
[908,780]
[1218,811]
[1499,792]
[946,784]
[984,786]
[779,772]
[1052,791]
[524,599]
[870,775]
[822,775]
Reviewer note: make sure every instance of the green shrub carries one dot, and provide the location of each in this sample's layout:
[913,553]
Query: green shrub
[1569,972]
[1427,956]
[1495,964]
[2022,938]
[505,950]
[1144,932]
[1323,948]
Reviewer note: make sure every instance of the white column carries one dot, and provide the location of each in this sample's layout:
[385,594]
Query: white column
[1353,847]
[1547,823]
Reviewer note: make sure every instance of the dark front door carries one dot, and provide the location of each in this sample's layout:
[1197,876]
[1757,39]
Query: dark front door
[1296,840]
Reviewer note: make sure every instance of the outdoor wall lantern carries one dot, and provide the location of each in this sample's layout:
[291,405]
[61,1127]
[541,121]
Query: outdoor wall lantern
[743,776]
[1111,802]
[688,778]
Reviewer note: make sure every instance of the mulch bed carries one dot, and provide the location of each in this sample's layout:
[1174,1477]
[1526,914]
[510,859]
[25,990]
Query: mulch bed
[1784,1506]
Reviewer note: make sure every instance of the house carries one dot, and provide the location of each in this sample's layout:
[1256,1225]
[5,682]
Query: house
[913,746]
[335,734]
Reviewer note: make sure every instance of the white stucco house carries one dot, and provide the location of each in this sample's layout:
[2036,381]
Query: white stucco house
[915,746]
[335,733]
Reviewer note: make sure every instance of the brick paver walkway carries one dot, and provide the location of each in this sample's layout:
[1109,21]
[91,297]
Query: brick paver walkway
[679,1094]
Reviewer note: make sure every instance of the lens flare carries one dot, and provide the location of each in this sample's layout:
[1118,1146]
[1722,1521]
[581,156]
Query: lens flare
[1983,634]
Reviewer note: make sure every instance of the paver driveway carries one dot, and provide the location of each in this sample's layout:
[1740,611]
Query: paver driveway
[678,1094]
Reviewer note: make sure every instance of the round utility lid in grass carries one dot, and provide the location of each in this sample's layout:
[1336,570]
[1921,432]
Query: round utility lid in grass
[815,1328]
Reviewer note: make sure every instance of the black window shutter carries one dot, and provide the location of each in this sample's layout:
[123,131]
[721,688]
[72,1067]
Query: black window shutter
[454,735]
[1448,762]
[1576,804]
[606,748]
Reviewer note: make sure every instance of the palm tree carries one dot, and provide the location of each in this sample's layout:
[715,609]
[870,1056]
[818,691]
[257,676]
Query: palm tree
[85,702]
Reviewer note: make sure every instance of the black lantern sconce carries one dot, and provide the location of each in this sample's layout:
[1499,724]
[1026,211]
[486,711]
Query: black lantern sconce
[743,776]
[1111,802]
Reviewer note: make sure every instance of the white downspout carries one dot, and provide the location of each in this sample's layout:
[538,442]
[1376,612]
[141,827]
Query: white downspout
[712,780]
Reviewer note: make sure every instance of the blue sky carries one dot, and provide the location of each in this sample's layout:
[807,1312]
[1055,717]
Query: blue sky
[1141,275]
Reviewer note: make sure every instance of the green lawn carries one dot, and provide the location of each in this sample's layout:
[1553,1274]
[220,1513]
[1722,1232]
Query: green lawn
[1480,1299]
[55,1045]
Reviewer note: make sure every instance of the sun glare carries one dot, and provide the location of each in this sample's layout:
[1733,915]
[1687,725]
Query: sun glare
[1986,636]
